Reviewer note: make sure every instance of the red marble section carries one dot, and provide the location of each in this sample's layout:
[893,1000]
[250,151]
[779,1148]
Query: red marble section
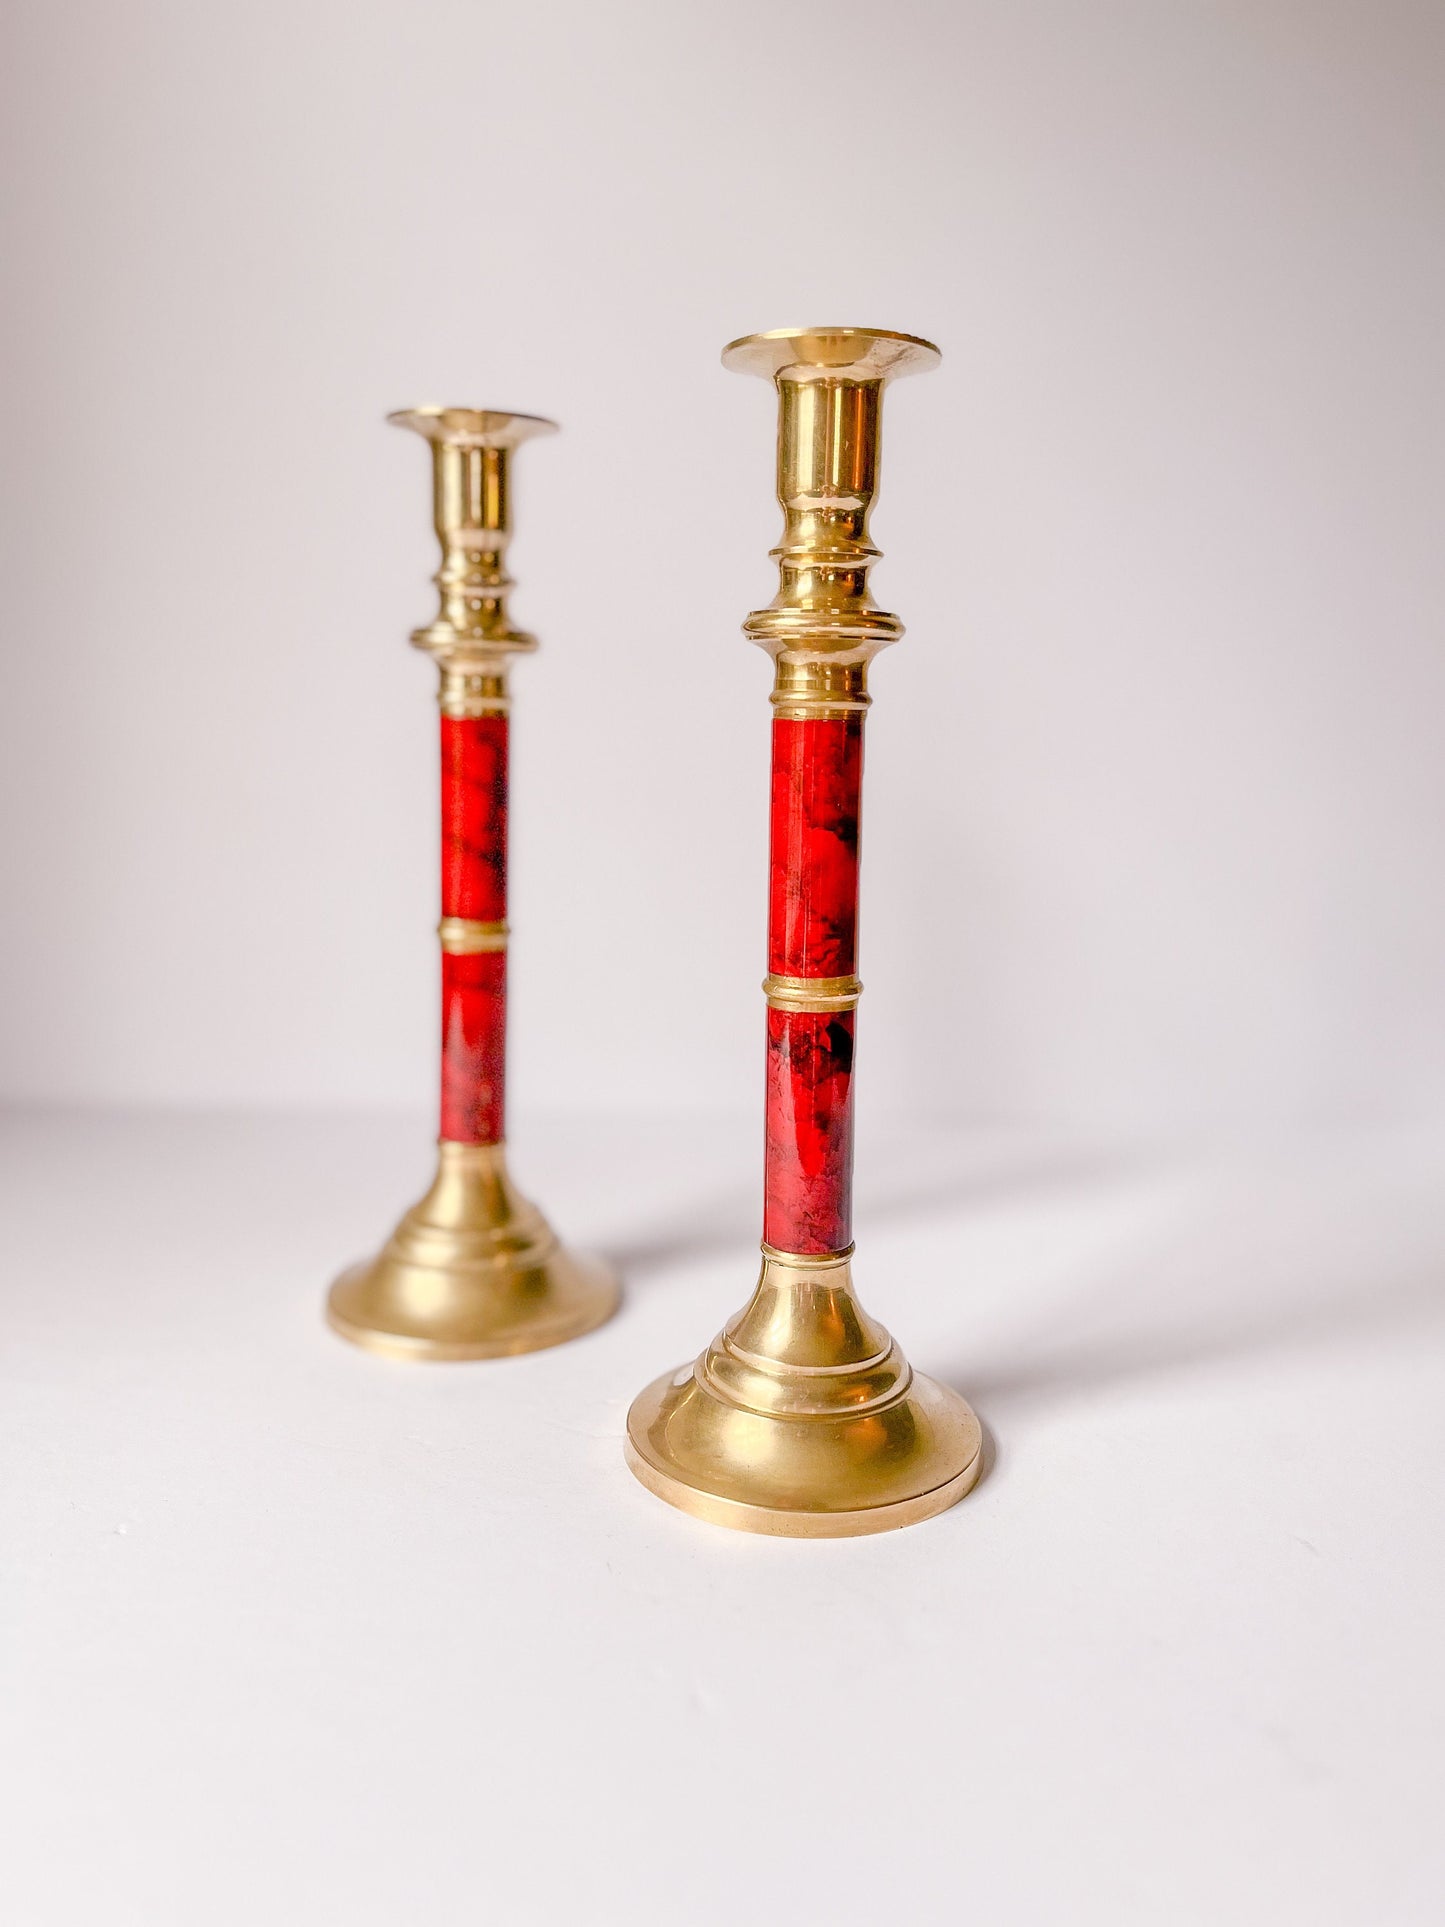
[474,817]
[809,1202]
[474,885]
[474,1046]
[813,899]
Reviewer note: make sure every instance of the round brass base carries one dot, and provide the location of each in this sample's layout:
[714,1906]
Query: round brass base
[804,1478]
[472,1271]
[453,1313]
[804,1419]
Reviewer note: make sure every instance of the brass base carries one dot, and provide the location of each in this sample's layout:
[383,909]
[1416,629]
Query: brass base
[804,1419]
[472,1271]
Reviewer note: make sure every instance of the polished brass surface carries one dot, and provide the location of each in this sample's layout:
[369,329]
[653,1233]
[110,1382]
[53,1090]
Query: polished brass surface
[473,1270]
[464,690]
[811,993]
[803,1417]
[466,937]
[823,627]
[473,635]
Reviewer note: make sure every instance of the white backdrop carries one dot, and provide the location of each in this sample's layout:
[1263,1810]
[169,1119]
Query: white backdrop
[1152,833]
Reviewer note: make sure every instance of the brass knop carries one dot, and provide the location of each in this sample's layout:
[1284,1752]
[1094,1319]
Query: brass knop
[472,636]
[823,627]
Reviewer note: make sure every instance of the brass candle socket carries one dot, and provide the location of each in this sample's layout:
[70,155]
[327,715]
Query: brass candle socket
[473,1270]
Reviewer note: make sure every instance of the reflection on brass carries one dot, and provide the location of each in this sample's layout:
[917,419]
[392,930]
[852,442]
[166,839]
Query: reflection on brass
[465,693]
[823,627]
[466,937]
[473,1271]
[811,993]
[473,635]
[803,1418]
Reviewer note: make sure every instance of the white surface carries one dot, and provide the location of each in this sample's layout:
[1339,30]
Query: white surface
[294,1635]
[1155,775]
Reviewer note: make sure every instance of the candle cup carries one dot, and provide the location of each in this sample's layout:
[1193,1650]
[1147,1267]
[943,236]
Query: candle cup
[473,1270]
[803,1417]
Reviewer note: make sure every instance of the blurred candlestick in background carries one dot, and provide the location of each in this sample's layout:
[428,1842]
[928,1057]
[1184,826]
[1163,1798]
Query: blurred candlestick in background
[473,1270]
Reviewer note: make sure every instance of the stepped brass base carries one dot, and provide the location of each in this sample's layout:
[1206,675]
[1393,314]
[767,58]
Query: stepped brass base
[803,1418]
[472,1271]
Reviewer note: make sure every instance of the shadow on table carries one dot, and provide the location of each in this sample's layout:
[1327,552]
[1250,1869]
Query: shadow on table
[1232,1261]
[1201,1302]
[946,1177]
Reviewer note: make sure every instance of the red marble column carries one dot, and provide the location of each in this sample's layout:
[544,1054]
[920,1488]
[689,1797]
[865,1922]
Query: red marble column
[812,935]
[474,887]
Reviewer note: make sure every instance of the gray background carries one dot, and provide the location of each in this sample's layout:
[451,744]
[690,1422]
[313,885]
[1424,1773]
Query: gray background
[1155,787]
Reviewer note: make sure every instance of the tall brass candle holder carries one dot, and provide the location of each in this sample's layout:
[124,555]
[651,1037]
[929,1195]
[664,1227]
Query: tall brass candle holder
[473,1270]
[803,1417]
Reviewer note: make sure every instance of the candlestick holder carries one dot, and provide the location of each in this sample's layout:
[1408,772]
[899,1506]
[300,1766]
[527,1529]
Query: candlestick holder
[803,1417]
[473,1270]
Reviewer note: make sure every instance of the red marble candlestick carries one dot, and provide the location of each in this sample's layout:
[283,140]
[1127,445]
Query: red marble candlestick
[473,1270]
[803,1416]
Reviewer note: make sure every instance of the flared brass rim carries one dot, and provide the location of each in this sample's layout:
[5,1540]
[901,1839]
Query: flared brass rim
[472,427]
[858,354]
[538,1337]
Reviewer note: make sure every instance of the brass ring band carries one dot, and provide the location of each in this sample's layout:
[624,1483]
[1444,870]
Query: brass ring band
[469,689]
[805,1260]
[812,993]
[467,708]
[464,937]
[790,709]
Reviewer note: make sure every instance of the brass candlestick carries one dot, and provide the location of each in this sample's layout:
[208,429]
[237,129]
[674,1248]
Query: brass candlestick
[803,1417]
[473,1270]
